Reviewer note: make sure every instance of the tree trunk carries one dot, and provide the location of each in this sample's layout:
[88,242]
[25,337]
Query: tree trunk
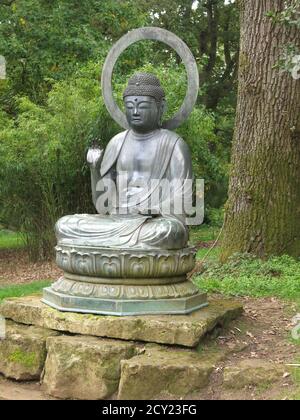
[263,210]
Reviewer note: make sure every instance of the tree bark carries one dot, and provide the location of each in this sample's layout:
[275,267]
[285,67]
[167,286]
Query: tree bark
[263,210]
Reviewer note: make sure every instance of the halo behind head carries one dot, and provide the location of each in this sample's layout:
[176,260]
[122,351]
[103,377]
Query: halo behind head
[173,41]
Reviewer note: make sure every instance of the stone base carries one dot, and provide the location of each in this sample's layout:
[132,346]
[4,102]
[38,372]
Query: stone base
[124,307]
[183,330]
[96,361]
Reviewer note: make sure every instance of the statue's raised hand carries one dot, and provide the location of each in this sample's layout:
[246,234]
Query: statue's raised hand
[94,156]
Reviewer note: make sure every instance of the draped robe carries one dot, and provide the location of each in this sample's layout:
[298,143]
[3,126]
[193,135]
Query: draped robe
[161,156]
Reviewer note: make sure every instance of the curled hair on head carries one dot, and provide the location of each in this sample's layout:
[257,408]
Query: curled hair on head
[145,84]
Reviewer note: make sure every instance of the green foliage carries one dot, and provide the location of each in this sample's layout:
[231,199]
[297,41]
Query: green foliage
[290,60]
[10,240]
[42,155]
[23,289]
[211,29]
[289,16]
[216,216]
[45,41]
[246,275]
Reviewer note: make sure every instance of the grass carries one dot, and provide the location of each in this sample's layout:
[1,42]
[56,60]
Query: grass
[11,240]
[208,254]
[14,240]
[245,275]
[203,233]
[296,380]
[20,290]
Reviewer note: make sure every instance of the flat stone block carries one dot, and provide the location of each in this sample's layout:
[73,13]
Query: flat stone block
[185,330]
[252,372]
[166,373]
[84,367]
[23,351]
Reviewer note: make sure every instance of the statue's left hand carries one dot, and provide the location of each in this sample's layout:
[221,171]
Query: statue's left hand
[94,156]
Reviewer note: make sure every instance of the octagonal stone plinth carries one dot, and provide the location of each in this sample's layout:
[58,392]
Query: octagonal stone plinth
[122,307]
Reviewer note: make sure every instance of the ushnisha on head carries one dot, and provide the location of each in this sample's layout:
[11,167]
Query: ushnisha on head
[144,100]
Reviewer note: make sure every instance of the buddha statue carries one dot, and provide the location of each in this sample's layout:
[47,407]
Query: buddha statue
[132,257]
[145,156]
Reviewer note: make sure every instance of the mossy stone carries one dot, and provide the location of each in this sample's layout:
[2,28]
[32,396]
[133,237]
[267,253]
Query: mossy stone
[83,367]
[23,351]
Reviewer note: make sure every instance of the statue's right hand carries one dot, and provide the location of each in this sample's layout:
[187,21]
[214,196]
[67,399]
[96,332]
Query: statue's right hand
[94,156]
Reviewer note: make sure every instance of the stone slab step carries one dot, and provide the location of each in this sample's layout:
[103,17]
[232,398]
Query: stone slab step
[167,373]
[183,330]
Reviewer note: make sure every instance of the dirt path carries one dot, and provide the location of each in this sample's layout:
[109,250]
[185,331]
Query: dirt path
[16,269]
[262,334]
[11,390]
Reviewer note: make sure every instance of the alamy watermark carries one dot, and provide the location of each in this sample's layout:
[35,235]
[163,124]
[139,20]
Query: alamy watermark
[296,67]
[181,198]
[2,68]
[296,329]
[2,328]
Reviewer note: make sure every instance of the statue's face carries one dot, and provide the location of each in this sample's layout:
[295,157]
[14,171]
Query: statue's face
[142,113]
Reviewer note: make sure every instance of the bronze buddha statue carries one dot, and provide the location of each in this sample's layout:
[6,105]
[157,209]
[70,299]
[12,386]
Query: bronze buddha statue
[132,258]
[144,153]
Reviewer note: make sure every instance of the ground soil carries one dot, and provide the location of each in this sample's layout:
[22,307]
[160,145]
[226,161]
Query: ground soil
[264,332]
[15,268]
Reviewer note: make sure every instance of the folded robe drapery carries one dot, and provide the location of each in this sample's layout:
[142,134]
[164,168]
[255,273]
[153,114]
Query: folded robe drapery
[165,230]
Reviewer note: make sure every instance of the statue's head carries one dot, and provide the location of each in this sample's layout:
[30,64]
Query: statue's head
[144,100]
